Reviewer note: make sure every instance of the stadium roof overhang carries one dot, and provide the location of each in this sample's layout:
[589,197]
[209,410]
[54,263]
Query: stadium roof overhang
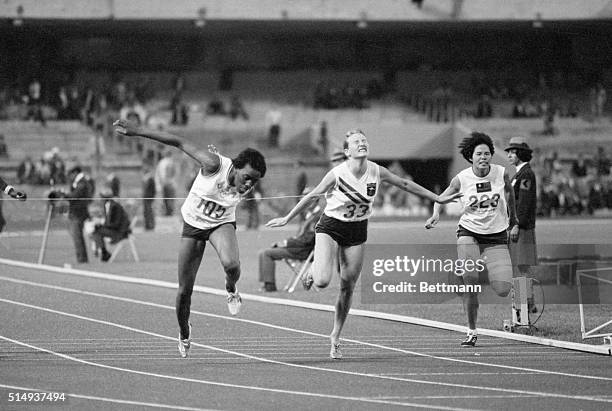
[286,28]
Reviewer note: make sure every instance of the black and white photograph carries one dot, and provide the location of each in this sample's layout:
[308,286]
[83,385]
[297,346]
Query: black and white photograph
[305,204]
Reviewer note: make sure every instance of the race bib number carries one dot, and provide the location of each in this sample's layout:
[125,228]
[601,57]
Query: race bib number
[356,210]
[484,201]
[211,209]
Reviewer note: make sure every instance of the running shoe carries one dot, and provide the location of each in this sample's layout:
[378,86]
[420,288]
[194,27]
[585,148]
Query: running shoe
[234,301]
[184,344]
[335,353]
[470,340]
[307,280]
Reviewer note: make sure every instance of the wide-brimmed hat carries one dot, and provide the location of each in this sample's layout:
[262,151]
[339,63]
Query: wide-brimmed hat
[518,143]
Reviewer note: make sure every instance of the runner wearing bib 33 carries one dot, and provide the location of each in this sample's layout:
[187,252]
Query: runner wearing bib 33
[341,233]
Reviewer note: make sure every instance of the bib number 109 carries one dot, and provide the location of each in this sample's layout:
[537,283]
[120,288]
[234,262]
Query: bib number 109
[211,209]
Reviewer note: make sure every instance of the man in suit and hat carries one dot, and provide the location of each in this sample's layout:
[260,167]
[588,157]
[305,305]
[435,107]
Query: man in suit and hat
[523,252]
[80,195]
[116,224]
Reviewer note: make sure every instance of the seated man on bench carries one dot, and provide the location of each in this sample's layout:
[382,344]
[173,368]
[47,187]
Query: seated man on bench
[116,225]
[294,248]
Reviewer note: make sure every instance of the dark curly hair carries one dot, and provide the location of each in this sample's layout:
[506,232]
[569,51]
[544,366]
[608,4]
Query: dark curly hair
[468,144]
[252,157]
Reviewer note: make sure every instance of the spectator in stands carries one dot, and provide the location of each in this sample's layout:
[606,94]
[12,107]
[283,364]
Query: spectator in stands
[115,226]
[295,248]
[113,183]
[148,196]
[180,114]
[579,166]
[132,110]
[88,107]
[323,138]
[34,102]
[273,123]
[3,147]
[237,109]
[164,177]
[598,98]
[74,104]
[62,104]
[301,180]
[43,169]
[119,95]
[57,167]
[216,107]
[484,109]
[549,114]
[602,162]
[26,172]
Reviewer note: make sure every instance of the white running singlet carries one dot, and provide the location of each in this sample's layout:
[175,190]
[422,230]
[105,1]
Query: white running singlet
[351,199]
[484,201]
[211,200]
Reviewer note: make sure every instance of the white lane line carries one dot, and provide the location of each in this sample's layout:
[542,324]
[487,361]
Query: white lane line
[103,399]
[458,373]
[278,327]
[215,383]
[379,376]
[455,397]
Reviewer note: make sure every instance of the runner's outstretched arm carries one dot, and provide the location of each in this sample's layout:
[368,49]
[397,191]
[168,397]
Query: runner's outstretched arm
[207,159]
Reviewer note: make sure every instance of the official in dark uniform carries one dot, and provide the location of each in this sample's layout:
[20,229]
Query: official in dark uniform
[116,224]
[79,197]
[523,252]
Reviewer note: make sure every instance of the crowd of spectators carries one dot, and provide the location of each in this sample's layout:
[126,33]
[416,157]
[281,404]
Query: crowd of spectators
[49,169]
[234,109]
[350,95]
[580,185]
[40,102]
[548,97]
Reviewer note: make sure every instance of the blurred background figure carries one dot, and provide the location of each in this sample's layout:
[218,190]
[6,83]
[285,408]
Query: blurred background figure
[3,147]
[79,197]
[165,179]
[148,196]
[273,124]
[297,247]
[113,183]
[114,226]
[251,205]
[237,109]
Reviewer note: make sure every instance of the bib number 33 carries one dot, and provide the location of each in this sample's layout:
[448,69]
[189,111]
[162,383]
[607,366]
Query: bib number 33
[356,210]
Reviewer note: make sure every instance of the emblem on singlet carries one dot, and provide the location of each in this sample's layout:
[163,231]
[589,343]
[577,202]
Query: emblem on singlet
[371,189]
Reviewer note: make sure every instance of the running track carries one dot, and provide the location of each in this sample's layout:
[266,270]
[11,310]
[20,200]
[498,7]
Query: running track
[108,345]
